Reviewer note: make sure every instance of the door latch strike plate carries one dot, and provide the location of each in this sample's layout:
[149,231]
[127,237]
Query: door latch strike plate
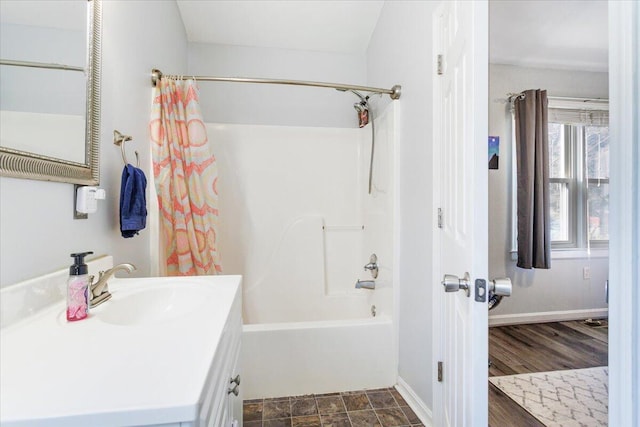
[440,61]
[439,217]
[440,372]
[481,290]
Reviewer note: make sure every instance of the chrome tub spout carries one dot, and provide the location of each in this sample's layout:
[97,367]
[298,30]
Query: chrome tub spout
[366,284]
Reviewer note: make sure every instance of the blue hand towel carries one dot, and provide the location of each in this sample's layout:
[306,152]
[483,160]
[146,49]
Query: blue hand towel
[133,202]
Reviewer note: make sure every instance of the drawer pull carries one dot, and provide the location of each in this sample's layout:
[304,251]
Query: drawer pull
[235,390]
[235,380]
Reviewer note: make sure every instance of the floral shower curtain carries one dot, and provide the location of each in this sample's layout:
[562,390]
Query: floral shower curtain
[186,176]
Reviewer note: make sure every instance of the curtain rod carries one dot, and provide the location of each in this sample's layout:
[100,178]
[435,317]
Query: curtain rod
[40,65]
[513,96]
[568,98]
[394,92]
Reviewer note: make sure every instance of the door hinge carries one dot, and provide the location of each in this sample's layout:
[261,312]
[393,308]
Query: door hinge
[440,65]
[439,372]
[439,217]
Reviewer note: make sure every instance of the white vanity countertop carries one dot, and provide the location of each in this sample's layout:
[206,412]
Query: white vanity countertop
[96,372]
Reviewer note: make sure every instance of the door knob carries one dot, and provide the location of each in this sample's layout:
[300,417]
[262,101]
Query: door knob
[235,380]
[452,283]
[500,287]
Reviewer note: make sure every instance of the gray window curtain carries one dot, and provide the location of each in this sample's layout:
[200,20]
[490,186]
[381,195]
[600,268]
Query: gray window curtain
[532,154]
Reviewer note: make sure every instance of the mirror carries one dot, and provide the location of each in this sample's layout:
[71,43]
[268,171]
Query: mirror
[50,90]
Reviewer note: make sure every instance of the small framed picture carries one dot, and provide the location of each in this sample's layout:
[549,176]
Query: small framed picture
[494,151]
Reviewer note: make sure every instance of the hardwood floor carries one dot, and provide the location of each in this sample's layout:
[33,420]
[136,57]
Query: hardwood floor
[519,349]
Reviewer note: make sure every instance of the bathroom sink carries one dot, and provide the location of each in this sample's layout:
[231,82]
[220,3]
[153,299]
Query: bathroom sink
[152,304]
[147,352]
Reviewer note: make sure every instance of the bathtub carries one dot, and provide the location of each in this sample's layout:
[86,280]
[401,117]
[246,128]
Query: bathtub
[296,358]
[299,234]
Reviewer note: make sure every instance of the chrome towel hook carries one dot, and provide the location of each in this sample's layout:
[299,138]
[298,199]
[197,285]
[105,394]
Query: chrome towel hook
[119,139]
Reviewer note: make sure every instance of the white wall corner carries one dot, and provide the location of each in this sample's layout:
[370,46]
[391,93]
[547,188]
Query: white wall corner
[419,407]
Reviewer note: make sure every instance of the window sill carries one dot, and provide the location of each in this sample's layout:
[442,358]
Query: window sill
[573,254]
[579,253]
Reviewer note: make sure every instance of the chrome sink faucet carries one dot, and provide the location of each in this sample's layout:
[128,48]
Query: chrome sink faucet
[99,291]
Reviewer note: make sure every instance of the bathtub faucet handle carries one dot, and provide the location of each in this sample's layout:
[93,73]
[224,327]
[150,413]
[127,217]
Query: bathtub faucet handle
[372,266]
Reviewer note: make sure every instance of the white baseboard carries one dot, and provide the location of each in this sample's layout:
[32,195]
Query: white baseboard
[415,403]
[546,316]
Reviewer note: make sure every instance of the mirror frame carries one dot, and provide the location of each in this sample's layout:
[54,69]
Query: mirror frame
[27,165]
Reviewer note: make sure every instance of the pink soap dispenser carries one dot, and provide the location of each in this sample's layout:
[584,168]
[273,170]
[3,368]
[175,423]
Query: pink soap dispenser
[78,288]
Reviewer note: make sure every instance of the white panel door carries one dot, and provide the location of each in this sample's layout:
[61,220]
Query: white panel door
[460,174]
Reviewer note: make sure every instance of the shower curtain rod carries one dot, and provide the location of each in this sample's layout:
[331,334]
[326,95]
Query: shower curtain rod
[394,92]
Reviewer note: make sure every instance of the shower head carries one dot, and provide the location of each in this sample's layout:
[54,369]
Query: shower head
[361,106]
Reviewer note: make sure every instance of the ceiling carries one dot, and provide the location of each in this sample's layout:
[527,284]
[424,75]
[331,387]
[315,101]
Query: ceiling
[566,34]
[330,26]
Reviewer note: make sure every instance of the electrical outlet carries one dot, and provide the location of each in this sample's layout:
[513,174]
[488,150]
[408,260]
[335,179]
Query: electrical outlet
[586,273]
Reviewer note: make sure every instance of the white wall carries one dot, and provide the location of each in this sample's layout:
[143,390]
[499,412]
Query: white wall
[400,52]
[36,218]
[562,288]
[262,104]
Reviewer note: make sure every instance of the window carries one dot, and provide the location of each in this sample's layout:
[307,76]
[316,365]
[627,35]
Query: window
[579,177]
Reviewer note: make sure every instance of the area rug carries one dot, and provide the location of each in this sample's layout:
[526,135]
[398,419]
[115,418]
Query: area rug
[578,397]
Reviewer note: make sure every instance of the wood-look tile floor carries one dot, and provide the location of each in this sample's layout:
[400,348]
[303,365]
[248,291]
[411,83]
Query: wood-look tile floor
[380,407]
[540,347]
[515,349]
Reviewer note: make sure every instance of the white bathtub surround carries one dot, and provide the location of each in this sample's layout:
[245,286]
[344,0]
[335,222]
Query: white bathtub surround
[121,368]
[299,358]
[297,220]
[28,298]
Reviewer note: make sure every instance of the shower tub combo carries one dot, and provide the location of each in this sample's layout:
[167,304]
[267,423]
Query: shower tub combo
[298,222]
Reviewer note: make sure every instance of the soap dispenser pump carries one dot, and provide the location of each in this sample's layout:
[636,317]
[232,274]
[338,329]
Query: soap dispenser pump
[78,288]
